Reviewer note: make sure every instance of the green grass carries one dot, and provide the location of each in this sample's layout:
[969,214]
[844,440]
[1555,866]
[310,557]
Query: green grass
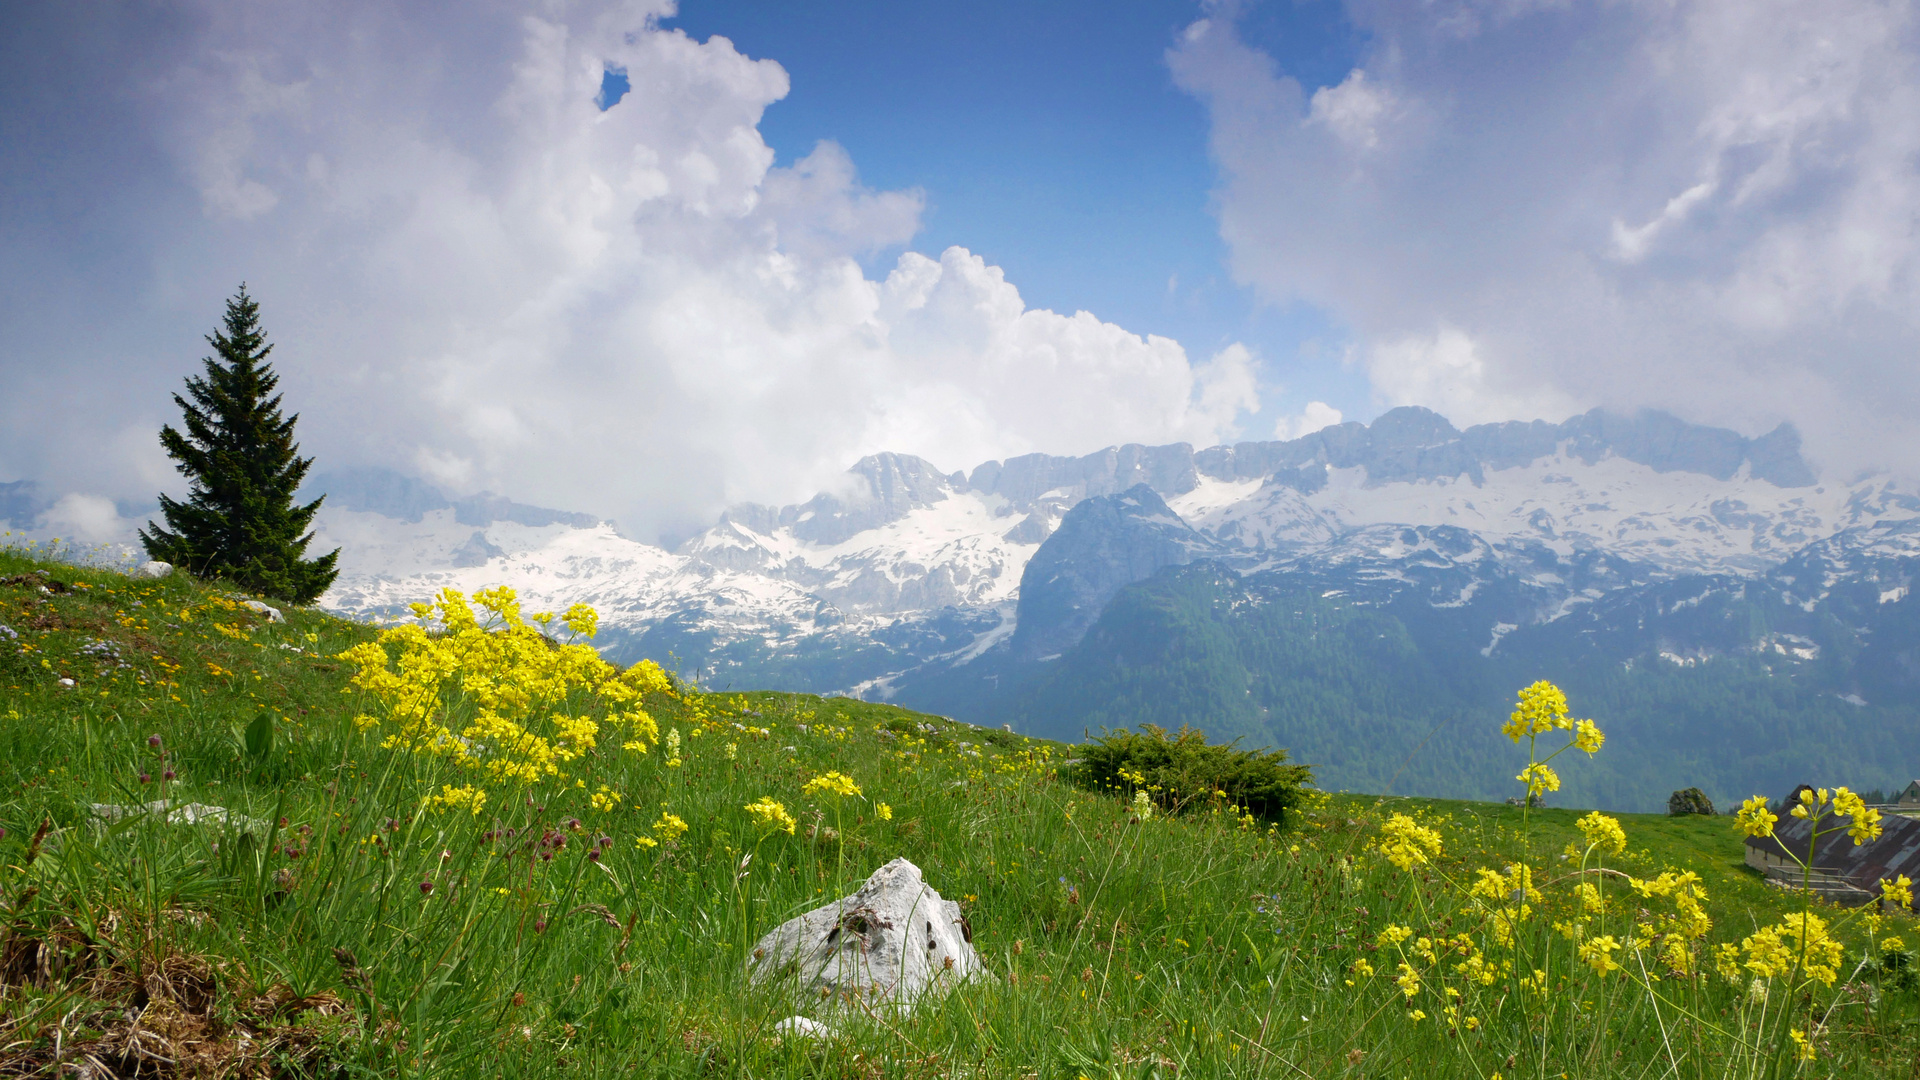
[1208,944]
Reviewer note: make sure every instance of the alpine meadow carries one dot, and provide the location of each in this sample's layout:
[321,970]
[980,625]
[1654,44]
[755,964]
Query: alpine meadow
[1182,540]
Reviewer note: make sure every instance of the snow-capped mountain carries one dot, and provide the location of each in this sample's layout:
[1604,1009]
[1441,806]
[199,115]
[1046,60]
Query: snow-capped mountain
[918,572]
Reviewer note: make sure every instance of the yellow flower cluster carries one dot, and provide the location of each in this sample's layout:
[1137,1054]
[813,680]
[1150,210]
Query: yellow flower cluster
[1587,736]
[514,694]
[1813,803]
[1408,980]
[1800,942]
[468,798]
[1513,887]
[771,815]
[1754,817]
[1865,819]
[1540,779]
[1898,892]
[670,827]
[606,800]
[831,783]
[1406,842]
[1597,953]
[1542,708]
[1603,832]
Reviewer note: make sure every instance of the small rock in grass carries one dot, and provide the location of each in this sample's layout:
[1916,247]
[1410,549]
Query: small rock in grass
[152,568]
[272,613]
[889,943]
[801,1027]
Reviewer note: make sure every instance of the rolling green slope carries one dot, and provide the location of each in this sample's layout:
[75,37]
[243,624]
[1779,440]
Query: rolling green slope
[353,901]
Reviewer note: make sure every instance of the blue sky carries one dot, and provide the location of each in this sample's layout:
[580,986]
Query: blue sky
[1051,139]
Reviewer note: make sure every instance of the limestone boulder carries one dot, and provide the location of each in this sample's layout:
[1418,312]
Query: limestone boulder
[892,942]
[152,569]
[1689,801]
[272,613]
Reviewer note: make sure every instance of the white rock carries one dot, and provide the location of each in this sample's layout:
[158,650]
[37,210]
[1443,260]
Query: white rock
[889,943]
[66,682]
[272,613]
[801,1027]
[152,569]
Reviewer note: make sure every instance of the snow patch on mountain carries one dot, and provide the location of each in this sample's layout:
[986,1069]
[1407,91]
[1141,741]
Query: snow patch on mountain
[921,567]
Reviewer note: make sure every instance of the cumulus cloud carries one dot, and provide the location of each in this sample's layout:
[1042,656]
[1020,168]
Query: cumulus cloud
[1317,416]
[1524,208]
[475,273]
[85,519]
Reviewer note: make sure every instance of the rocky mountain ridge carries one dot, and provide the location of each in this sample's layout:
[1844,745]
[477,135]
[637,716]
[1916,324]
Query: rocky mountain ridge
[912,573]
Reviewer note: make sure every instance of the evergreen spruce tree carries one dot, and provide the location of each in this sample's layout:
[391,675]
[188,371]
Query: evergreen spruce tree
[239,522]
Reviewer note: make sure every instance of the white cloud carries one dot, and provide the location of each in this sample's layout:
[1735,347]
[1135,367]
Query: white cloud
[85,519]
[473,272]
[1711,206]
[1353,110]
[1317,416]
[1446,372]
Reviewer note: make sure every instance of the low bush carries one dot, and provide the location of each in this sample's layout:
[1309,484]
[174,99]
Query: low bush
[1178,770]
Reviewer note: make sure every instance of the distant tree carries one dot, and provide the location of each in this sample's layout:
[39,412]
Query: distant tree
[239,522]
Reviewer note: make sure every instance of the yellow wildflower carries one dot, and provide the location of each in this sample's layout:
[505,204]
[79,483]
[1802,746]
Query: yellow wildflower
[1891,943]
[883,811]
[1802,1049]
[1597,953]
[1812,801]
[1726,960]
[466,797]
[1406,842]
[1799,942]
[1542,708]
[1587,736]
[1754,817]
[1603,832]
[582,620]
[645,842]
[1866,826]
[670,827]
[831,783]
[1408,980]
[1362,968]
[1394,935]
[1539,779]
[1898,892]
[1678,956]
[771,815]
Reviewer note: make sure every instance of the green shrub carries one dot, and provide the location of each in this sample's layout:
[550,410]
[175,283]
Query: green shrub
[1181,770]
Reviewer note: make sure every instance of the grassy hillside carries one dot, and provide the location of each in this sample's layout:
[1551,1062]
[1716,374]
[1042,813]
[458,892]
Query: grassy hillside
[400,907]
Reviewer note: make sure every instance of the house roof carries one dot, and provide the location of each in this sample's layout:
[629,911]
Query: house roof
[1897,851]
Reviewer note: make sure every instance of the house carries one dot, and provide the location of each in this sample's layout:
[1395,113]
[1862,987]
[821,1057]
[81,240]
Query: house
[1909,795]
[1841,871]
